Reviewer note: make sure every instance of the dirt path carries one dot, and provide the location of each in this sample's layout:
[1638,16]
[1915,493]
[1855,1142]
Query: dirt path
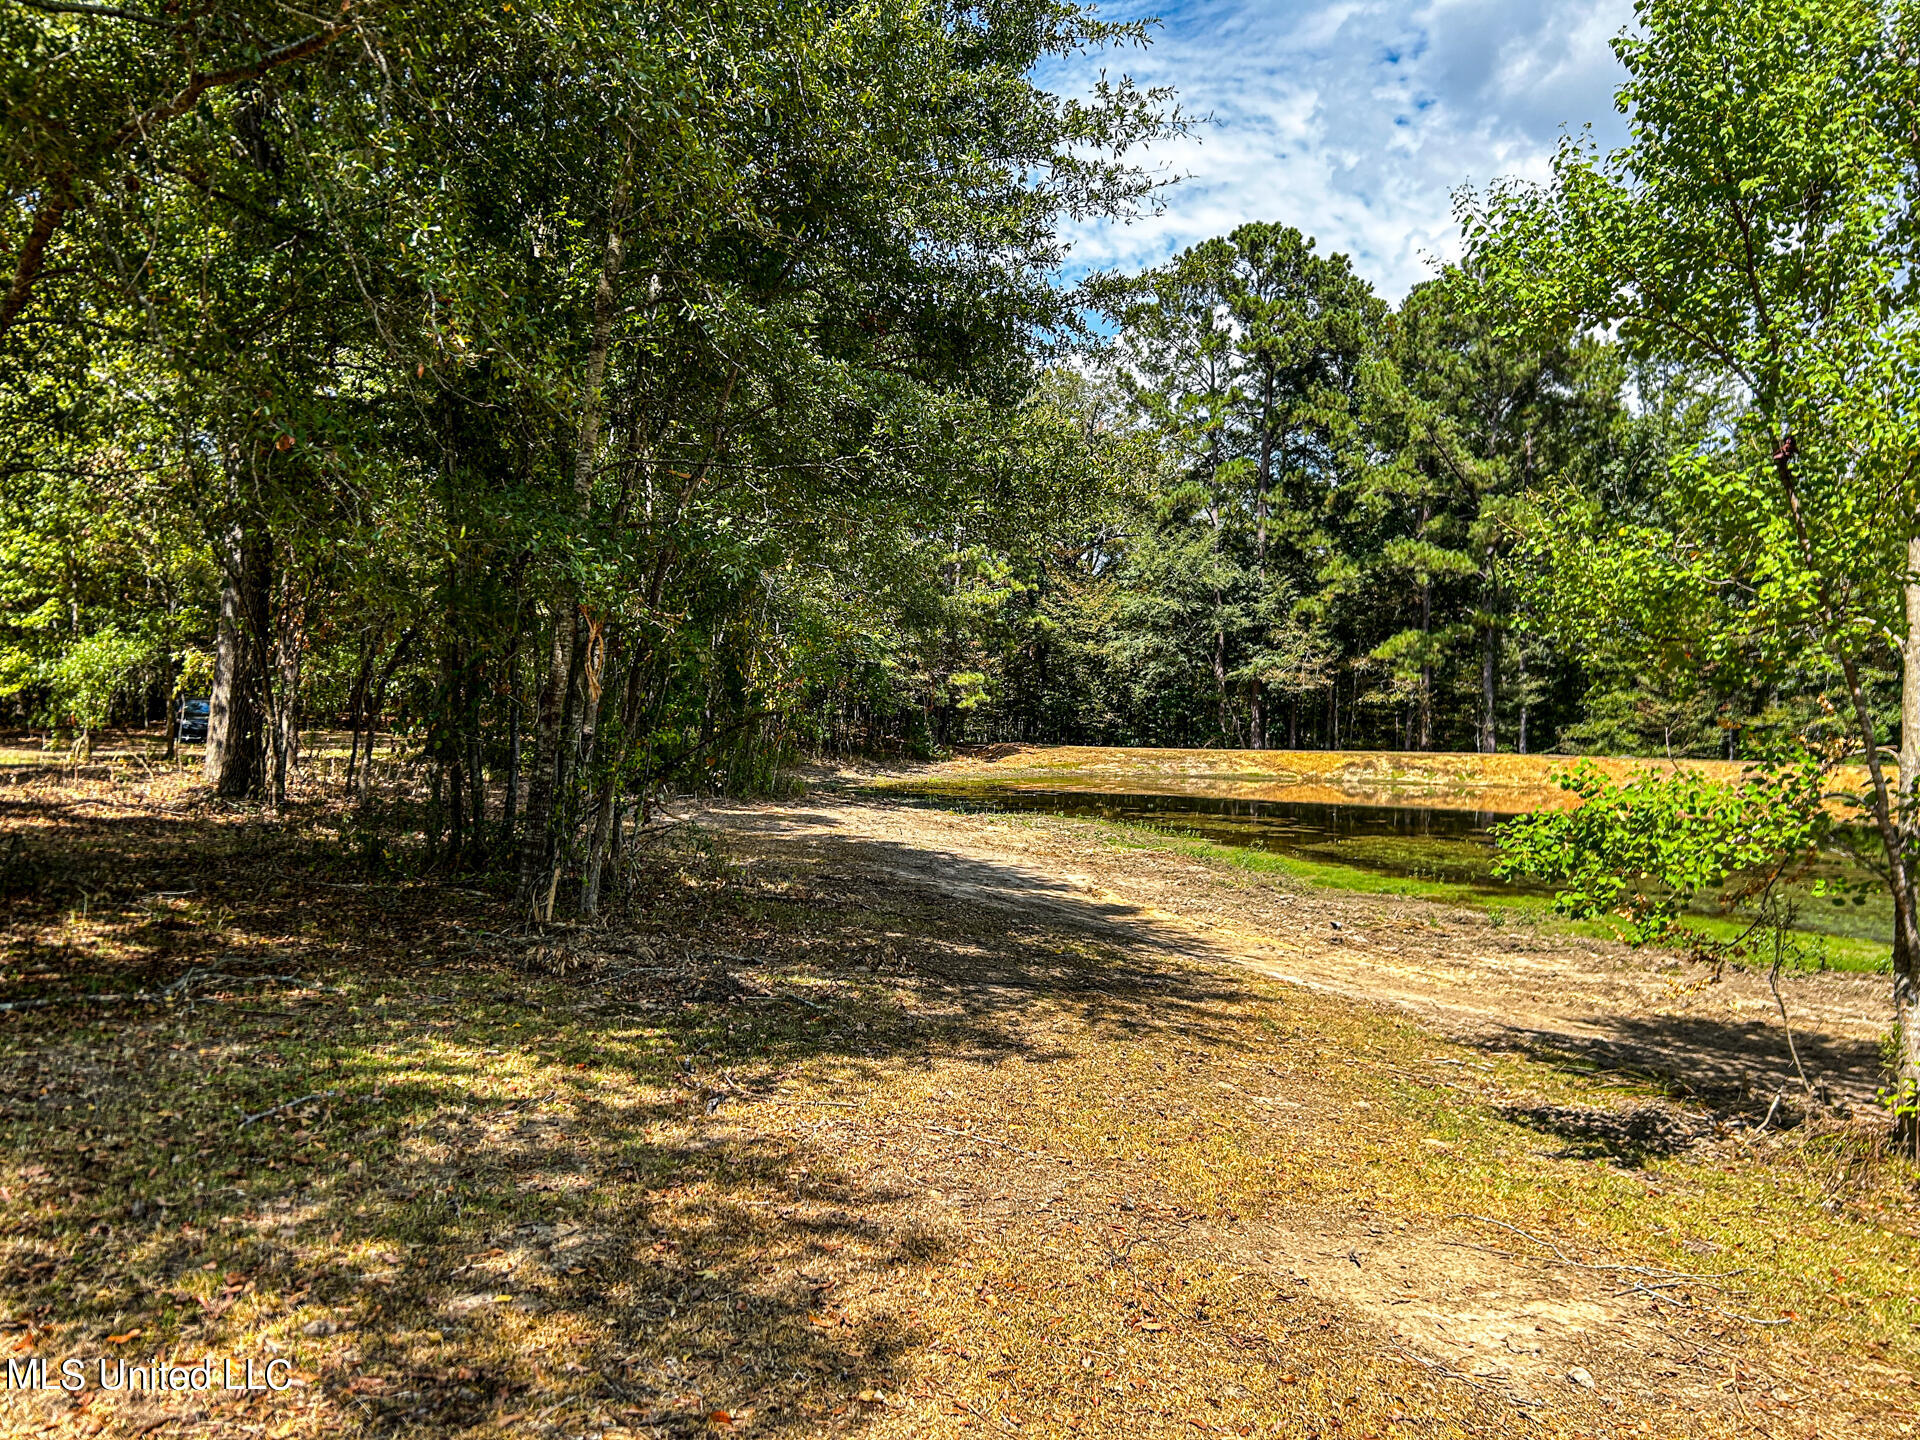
[1502,985]
[1514,1312]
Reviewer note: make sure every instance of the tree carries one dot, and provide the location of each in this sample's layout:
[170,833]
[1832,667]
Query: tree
[1243,355]
[568,391]
[94,92]
[86,678]
[1755,228]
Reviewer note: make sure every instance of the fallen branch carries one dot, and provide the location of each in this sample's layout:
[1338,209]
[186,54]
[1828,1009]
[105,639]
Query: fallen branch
[783,995]
[1652,1271]
[1004,1145]
[193,976]
[155,997]
[1447,1371]
[1703,1346]
[290,1105]
[1662,1278]
[146,997]
[736,959]
[1653,1293]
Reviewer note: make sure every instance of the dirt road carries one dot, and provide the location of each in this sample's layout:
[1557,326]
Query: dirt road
[1468,975]
[1529,1314]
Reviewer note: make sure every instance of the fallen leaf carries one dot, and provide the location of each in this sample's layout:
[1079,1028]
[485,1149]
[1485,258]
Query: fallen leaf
[123,1339]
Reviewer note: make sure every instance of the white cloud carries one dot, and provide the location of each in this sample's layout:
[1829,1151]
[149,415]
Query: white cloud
[1355,120]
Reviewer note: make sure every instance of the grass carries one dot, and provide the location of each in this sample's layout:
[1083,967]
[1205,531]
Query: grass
[800,1151]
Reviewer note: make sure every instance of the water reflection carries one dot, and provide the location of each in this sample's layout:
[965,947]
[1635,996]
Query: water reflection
[1412,841]
[1416,841]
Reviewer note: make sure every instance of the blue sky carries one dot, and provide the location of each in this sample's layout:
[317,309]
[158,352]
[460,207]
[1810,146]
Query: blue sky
[1355,120]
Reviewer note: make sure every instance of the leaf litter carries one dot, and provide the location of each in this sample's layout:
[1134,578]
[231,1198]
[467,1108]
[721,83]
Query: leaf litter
[1006,1171]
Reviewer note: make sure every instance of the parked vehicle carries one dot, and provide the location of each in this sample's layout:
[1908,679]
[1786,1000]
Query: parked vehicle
[193,720]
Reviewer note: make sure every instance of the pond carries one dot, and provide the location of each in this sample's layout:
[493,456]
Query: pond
[1416,842]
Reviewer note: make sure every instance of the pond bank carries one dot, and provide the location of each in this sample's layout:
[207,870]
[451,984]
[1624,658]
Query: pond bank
[1494,784]
[1413,824]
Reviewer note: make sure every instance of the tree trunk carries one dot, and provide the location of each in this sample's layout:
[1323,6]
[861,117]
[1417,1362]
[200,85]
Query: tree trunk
[1257,727]
[536,850]
[1892,811]
[1520,740]
[583,724]
[237,709]
[606,804]
[476,776]
[1220,665]
[357,705]
[289,653]
[537,877]
[1426,635]
[1489,677]
[169,683]
[437,783]
[510,801]
[1906,936]
[1426,665]
[456,817]
[571,720]
[377,700]
[1910,682]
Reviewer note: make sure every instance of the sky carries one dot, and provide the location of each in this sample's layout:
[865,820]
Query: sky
[1353,120]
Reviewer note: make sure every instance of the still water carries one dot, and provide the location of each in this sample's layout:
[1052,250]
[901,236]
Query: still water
[1414,841]
[1410,840]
